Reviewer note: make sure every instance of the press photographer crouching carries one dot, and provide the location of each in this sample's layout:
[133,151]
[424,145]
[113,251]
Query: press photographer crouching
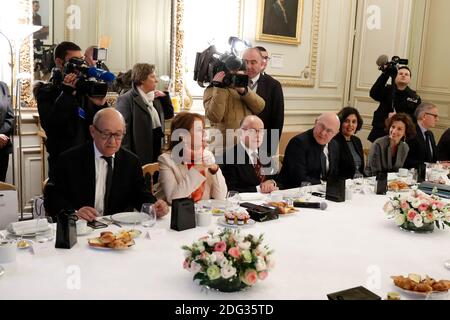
[394,98]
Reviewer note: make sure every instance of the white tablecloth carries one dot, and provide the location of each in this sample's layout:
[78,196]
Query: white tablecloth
[317,252]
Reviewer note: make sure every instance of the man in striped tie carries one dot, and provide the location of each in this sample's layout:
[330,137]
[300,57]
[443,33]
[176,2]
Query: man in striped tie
[243,167]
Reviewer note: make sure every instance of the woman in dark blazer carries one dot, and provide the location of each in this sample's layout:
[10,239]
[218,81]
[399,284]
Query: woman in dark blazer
[350,146]
[145,109]
[388,153]
[6,129]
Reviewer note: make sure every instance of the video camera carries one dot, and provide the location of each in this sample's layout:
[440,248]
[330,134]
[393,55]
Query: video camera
[91,80]
[209,62]
[390,67]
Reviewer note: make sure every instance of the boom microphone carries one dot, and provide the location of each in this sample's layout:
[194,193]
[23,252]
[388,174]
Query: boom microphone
[382,60]
[311,205]
[101,74]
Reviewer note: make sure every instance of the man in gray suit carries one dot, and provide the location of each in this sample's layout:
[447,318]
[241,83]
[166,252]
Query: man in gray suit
[145,110]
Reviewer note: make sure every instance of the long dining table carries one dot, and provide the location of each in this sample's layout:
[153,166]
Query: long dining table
[316,252]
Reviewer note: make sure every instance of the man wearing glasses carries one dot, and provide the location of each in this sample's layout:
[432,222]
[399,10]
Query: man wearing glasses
[312,156]
[99,177]
[422,148]
[241,165]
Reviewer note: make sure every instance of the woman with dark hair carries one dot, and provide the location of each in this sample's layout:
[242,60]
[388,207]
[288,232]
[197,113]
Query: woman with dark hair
[351,160]
[388,153]
[6,129]
[187,169]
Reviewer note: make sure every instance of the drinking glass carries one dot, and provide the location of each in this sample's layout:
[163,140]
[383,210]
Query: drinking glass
[150,220]
[233,200]
[358,182]
[305,191]
[48,235]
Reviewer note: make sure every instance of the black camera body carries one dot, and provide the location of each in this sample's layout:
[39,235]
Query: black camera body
[392,66]
[209,62]
[86,84]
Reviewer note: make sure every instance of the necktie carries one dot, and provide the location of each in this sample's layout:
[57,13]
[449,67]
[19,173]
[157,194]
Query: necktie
[252,84]
[257,165]
[109,176]
[429,154]
[323,164]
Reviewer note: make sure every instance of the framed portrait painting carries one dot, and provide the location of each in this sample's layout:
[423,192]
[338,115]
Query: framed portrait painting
[280,21]
[42,11]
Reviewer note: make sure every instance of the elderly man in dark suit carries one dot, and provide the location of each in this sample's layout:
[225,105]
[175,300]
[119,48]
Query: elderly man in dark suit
[101,178]
[241,165]
[270,90]
[145,109]
[312,156]
[422,147]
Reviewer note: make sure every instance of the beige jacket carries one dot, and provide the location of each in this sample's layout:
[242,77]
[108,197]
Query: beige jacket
[176,181]
[225,108]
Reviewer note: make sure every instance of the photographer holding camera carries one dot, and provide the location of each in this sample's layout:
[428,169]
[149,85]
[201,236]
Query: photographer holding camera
[394,98]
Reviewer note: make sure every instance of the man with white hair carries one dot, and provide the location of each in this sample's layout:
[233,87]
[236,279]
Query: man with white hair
[99,177]
[313,155]
[242,166]
[422,147]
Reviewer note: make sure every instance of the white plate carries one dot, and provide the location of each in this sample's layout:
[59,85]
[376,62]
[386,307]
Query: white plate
[129,217]
[10,232]
[421,294]
[130,244]
[222,222]
[213,204]
[86,231]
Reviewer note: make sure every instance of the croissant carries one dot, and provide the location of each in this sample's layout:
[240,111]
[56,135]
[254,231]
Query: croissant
[107,237]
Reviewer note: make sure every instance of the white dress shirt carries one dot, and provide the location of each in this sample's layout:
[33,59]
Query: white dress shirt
[101,170]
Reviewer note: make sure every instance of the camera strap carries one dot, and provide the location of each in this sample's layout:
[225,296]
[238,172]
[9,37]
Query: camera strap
[81,113]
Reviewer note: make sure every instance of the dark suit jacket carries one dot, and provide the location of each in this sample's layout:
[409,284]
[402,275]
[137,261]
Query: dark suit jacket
[417,149]
[239,173]
[273,114]
[139,138]
[74,185]
[6,117]
[347,167]
[444,147]
[302,161]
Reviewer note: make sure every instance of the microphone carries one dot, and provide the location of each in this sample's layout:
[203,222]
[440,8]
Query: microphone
[101,74]
[382,60]
[311,205]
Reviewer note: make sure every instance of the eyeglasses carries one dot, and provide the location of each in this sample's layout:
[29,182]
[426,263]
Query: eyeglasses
[432,114]
[254,132]
[322,127]
[118,136]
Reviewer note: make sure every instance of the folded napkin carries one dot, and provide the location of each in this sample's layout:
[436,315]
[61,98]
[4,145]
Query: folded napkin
[30,226]
[252,196]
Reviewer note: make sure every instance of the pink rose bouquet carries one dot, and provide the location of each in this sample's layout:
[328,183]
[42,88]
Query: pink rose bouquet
[228,261]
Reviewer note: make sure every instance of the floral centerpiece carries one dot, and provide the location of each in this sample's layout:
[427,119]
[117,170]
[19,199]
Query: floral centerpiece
[417,211]
[228,261]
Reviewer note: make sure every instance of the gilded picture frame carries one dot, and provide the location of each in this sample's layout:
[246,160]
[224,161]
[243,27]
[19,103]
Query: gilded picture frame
[280,21]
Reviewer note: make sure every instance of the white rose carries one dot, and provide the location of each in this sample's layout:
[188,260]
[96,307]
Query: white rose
[201,248]
[399,219]
[244,245]
[415,204]
[260,250]
[418,221]
[227,272]
[212,258]
[388,207]
[212,241]
[260,264]
[195,267]
[223,263]
[218,256]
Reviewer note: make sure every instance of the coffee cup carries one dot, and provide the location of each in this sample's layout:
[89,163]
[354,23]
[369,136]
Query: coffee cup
[81,226]
[202,219]
[7,251]
[402,172]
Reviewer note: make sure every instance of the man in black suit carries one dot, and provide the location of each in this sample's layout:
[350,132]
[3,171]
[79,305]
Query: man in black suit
[99,177]
[241,165]
[270,90]
[312,156]
[422,148]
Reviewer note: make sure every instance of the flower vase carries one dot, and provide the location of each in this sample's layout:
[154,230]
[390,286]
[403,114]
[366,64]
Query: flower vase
[227,285]
[426,228]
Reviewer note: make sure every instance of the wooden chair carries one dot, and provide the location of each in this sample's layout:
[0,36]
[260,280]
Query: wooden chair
[149,170]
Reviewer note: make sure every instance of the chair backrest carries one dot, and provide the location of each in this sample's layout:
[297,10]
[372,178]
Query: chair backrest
[149,171]
[9,205]
[285,138]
